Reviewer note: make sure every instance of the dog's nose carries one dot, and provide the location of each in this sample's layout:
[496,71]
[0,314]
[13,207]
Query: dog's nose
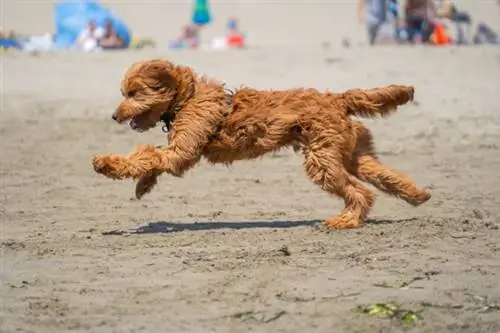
[114,117]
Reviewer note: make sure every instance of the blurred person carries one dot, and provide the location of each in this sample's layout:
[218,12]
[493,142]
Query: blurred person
[8,39]
[110,38]
[399,32]
[485,35]
[417,17]
[235,38]
[88,40]
[448,10]
[5,33]
[189,38]
[191,35]
[373,13]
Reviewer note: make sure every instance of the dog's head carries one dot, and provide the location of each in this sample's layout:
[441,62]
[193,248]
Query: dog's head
[150,89]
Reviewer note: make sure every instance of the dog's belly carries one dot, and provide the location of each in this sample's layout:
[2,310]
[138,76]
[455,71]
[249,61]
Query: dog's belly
[221,155]
[228,147]
[248,134]
[221,151]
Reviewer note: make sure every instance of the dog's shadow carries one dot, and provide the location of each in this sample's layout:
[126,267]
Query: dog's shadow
[168,227]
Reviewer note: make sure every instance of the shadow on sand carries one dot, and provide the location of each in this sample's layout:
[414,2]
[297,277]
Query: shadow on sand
[167,227]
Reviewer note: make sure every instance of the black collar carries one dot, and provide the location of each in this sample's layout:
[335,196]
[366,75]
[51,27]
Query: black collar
[169,115]
[167,118]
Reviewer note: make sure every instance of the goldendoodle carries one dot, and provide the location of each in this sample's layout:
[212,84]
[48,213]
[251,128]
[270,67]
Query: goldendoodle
[204,119]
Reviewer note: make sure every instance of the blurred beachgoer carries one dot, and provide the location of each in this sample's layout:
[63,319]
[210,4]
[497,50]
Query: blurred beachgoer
[191,35]
[399,32]
[417,17]
[373,13]
[234,37]
[5,34]
[485,35]
[110,38]
[189,38]
[88,40]
[448,10]
[8,39]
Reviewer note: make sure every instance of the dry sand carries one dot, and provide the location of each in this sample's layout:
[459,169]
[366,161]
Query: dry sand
[235,250]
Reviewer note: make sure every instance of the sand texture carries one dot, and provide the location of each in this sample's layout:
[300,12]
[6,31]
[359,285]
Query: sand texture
[237,249]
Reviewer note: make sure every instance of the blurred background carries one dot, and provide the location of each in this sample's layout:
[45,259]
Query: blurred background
[270,22]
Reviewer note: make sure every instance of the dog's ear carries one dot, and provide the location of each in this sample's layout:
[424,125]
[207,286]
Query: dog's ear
[159,74]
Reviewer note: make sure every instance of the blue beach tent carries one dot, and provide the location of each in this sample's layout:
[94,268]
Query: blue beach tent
[71,17]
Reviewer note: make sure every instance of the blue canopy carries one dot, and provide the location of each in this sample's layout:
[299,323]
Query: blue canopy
[71,17]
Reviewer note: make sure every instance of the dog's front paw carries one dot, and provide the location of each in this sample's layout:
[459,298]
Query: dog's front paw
[109,166]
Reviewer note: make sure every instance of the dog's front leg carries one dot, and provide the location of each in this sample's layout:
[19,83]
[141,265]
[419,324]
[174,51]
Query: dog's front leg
[172,162]
[143,160]
[146,183]
[146,162]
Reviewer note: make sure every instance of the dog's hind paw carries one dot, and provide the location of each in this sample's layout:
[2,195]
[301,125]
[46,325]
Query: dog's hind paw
[419,198]
[343,222]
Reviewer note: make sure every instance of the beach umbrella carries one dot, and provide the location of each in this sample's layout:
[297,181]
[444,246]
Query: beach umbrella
[201,13]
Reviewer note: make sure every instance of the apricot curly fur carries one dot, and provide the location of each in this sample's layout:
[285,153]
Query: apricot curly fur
[338,150]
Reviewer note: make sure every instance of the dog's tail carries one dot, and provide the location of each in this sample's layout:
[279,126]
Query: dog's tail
[378,102]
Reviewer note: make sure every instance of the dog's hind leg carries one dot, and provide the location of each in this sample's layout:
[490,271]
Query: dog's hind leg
[325,168]
[368,168]
[390,181]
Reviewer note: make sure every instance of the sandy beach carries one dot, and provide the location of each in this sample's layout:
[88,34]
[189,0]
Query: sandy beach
[238,249]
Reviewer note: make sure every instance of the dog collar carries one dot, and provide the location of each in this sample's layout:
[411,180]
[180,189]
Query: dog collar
[169,115]
[167,118]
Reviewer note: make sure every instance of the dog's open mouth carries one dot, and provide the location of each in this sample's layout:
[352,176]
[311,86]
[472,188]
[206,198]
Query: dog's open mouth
[134,124]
